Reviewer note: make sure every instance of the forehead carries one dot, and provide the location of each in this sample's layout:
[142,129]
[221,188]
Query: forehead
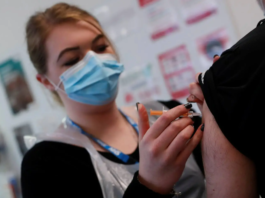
[70,34]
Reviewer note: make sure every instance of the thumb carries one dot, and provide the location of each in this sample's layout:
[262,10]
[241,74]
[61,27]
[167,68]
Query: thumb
[143,120]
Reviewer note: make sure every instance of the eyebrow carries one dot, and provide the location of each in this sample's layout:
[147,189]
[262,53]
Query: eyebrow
[77,48]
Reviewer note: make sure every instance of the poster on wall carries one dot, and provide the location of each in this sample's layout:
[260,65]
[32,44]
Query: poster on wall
[139,84]
[160,17]
[20,132]
[15,85]
[177,70]
[194,11]
[118,23]
[2,148]
[212,44]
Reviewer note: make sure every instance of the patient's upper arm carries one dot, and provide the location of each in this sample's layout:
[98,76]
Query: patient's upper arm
[228,172]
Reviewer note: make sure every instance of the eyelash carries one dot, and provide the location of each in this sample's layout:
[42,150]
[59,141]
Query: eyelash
[101,48]
[72,62]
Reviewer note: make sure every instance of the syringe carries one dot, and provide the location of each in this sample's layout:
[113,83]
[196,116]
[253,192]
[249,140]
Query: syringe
[190,114]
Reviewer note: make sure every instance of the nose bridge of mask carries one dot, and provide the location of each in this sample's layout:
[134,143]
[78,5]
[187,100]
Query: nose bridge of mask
[107,57]
[81,64]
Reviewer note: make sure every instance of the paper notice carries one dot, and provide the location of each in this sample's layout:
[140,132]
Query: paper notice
[177,71]
[160,17]
[212,44]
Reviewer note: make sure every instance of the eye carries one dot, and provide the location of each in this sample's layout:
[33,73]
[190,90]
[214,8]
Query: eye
[101,48]
[71,62]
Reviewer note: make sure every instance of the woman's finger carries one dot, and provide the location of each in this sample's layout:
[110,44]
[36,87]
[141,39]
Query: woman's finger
[143,120]
[165,139]
[194,141]
[164,121]
[196,91]
[215,58]
[180,141]
[193,99]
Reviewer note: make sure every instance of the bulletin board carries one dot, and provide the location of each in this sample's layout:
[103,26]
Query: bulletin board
[164,43]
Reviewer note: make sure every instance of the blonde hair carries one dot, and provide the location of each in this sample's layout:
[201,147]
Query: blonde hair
[40,25]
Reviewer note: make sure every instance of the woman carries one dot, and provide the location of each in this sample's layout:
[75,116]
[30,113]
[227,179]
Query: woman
[94,153]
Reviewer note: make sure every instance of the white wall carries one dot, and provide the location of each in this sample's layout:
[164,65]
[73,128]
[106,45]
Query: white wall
[244,14]
[15,13]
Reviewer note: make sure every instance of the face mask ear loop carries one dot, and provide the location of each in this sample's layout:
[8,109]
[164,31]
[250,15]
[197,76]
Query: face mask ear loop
[56,87]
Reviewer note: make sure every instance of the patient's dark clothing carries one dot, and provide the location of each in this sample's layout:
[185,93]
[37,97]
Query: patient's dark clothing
[234,88]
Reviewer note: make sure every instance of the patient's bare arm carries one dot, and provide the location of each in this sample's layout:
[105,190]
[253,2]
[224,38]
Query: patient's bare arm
[228,173]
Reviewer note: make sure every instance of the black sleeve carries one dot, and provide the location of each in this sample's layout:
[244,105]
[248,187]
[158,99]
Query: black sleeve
[58,170]
[197,122]
[52,169]
[135,189]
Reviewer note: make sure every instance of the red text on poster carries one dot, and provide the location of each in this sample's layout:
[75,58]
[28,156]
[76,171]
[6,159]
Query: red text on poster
[146,2]
[195,10]
[160,17]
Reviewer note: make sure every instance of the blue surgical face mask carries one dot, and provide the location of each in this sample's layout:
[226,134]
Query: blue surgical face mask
[93,80]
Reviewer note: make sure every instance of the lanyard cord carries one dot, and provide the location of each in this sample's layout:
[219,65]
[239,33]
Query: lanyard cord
[120,155]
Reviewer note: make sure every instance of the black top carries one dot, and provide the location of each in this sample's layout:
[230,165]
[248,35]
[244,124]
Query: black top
[233,89]
[53,169]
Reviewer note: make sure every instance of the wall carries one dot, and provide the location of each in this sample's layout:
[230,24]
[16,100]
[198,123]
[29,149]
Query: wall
[13,15]
[245,15]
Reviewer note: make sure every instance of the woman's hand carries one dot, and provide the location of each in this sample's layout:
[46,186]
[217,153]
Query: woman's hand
[165,148]
[196,94]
